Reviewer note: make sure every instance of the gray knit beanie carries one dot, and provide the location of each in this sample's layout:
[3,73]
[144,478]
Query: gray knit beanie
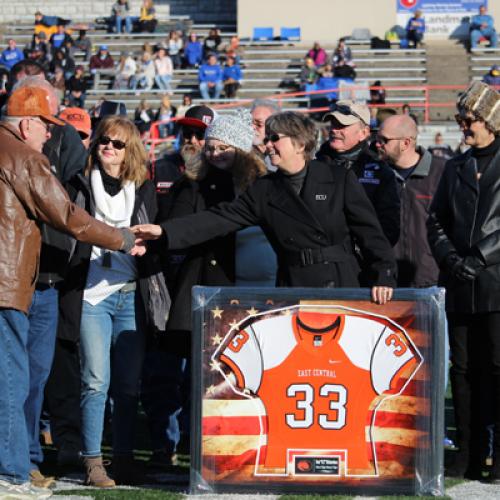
[234,130]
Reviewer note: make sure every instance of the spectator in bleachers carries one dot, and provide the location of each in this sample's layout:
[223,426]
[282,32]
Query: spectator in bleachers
[144,116]
[164,70]
[234,49]
[59,83]
[83,44]
[344,70]
[80,120]
[64,61]
[187,102]
[342,51]
[193,52]
[120,13]
[58,39]
[11,55]
[415,29]
[317,54]
[210,77]
[406,110]
[101,60]
[175,46]
[211,43]
[36,50]
[77,88]
[439,148]
[145,75]
[165,113]
[308,74]
[326,71]
[493,76]
[147,19]
[48,21]
[377,97]
[126,68]
[231,77]
[482,26]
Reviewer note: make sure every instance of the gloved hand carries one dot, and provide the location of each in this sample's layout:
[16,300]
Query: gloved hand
[450,261]
[468,268]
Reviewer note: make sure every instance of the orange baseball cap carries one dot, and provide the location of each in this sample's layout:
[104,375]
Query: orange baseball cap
[79,118]
[31,101]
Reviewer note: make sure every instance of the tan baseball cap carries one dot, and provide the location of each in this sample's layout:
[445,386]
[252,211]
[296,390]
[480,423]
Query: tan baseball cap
[31,101]
[348,112]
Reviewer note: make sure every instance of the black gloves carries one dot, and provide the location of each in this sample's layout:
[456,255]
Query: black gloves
[468,268]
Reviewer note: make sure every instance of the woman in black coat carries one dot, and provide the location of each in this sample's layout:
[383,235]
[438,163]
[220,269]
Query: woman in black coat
[309,212]
[464,236]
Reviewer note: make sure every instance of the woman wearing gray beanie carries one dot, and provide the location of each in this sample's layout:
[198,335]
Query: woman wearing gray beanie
[223,171]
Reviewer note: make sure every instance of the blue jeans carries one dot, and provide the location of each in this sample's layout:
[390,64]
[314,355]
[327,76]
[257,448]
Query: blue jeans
[42,317]
[165,394]
[163,82]
[14,388]
[488,33]
[111,356]
[205,90]
[128,24]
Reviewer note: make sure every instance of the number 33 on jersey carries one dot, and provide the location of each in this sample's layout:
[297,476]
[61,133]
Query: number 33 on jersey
[317,375]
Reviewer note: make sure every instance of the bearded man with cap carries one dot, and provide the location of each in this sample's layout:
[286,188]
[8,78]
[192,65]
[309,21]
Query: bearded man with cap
[169,168]
[30,194]
[348,147]
[223,169]
[464,236]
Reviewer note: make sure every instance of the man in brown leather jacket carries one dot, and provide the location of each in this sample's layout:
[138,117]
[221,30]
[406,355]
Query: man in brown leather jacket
[30,194]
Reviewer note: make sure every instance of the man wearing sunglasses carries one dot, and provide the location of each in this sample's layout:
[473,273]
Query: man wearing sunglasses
[348,147]
[192,139]
[464,236]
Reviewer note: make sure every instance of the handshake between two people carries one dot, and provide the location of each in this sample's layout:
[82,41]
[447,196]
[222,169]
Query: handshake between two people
[135,238]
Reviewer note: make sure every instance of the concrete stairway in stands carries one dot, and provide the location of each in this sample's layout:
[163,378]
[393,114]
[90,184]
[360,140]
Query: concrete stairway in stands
[447,64]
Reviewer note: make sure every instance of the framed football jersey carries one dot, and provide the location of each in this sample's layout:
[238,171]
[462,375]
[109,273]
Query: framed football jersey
[318,390]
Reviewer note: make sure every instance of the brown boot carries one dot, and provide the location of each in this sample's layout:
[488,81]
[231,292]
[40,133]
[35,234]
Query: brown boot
[96,474]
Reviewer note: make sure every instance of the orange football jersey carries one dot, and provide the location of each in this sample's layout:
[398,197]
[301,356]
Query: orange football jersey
[317,375]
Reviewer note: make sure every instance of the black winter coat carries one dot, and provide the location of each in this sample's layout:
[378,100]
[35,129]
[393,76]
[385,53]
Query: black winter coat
[151,286]
[465,218]
[210,263]
[417,267]
[377,178]
[310,233]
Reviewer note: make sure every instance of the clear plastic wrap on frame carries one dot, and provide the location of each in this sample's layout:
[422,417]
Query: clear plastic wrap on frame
[317,390]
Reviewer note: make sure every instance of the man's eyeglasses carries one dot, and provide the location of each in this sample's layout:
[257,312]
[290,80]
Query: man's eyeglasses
[466,121]
[343,109]
[273,138]
[104,140]
[187,133]
[384,140]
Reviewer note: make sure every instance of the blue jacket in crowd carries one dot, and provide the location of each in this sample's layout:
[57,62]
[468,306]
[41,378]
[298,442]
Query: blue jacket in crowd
[479,19]
[233,72]
[416,24]
[193,53]
[10,57]
[208,73]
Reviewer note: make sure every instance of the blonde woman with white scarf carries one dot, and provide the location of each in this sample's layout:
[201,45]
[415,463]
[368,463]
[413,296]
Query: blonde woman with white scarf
[113,299]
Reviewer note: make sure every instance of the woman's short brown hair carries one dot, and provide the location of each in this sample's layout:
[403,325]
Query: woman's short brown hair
[134,164]
[298,127]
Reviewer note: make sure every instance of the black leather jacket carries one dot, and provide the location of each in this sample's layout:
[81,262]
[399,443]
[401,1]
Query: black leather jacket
[465,219]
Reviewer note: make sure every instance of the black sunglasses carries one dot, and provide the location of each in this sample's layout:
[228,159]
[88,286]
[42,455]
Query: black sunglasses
[384,140]
[105,140]
[187,133]
[273,138]
[465,120]
[343,109]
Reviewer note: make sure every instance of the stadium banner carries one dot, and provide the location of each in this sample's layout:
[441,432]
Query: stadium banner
[317,390]
[443,18]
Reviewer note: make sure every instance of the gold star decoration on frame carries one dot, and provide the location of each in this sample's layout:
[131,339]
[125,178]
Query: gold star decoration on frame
[217,312]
